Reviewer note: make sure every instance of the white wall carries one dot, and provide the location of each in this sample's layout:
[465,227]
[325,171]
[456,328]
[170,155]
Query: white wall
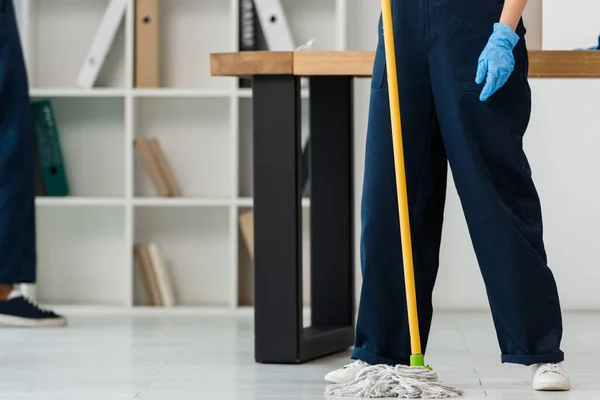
[561,143]
[571,24]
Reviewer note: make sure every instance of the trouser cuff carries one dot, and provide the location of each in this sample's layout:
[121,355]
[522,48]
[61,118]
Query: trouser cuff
[374,359]
[529,359]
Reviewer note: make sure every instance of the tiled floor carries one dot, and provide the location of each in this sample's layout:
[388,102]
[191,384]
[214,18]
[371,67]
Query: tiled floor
[211,357]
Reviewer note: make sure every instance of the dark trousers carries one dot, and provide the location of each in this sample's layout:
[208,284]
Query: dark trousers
[438,43]
[17,171]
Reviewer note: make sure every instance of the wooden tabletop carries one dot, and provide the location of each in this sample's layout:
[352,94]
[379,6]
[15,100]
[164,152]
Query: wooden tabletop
[542,64]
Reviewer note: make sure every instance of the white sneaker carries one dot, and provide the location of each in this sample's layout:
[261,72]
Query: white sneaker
[550,377]
[347,373]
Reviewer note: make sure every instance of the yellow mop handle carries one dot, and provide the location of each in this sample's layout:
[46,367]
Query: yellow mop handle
[409,275]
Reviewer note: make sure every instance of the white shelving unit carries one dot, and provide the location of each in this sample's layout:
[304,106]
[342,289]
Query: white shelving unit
[85,256]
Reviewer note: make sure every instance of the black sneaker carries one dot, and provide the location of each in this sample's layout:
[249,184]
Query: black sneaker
[17,310]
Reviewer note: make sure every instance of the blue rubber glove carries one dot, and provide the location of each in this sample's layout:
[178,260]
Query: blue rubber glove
[497,61]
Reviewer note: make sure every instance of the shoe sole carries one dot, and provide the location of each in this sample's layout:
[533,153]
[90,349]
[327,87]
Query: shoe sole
[10,320]
[552,387]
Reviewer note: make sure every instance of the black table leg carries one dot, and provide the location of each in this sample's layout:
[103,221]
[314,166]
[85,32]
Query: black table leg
[277,219]
[279,333]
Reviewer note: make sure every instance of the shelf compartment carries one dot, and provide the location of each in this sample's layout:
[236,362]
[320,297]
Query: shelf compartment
[81,255]
[195,243]
[195,137]
[189,31]
[91,133]
[69,26]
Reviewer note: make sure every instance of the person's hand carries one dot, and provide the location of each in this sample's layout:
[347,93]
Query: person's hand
[497,61]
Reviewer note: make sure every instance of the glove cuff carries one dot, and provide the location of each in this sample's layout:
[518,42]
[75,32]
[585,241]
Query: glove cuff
[506,34]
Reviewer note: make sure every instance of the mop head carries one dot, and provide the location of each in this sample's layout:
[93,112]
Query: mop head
[394,381]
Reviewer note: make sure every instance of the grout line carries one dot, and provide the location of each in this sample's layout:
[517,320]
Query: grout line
[167,362]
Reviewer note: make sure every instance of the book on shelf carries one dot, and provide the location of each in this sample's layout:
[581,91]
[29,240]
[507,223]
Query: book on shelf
[157,167]
[103,39]
[246,220]
[155,273]
[149,280]
[147,40]
[163,274]
[51,175]
[164,167]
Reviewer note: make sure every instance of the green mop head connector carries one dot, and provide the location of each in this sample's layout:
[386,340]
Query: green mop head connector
[418,360]
[416,381]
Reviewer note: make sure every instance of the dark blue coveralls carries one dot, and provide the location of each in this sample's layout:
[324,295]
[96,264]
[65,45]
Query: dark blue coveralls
[17,168]
[438,43]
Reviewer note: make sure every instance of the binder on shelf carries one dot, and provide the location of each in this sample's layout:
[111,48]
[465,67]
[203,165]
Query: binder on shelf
[164,167]
[147,51]
[153,169]
[49,151]
[163,275]
[246,220]
[103,39]
[274,25]
[248,26]
[149,279]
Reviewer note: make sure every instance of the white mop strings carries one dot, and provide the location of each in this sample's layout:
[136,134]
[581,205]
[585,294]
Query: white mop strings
[394,381]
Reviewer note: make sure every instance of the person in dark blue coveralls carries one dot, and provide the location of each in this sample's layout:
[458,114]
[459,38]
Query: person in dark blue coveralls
[17,183]
[466,102]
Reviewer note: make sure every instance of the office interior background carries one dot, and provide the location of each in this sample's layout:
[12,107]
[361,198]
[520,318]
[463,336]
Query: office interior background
[87,266]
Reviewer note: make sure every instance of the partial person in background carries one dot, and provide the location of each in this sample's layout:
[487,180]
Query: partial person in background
[17,184]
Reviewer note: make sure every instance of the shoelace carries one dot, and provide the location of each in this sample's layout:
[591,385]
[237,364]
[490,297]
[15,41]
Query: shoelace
[550,368]
[36,305]
[357,362]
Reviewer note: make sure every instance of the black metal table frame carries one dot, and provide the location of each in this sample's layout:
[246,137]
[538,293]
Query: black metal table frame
[279,333]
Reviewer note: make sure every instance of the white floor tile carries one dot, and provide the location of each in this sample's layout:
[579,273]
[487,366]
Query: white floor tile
[173,358]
